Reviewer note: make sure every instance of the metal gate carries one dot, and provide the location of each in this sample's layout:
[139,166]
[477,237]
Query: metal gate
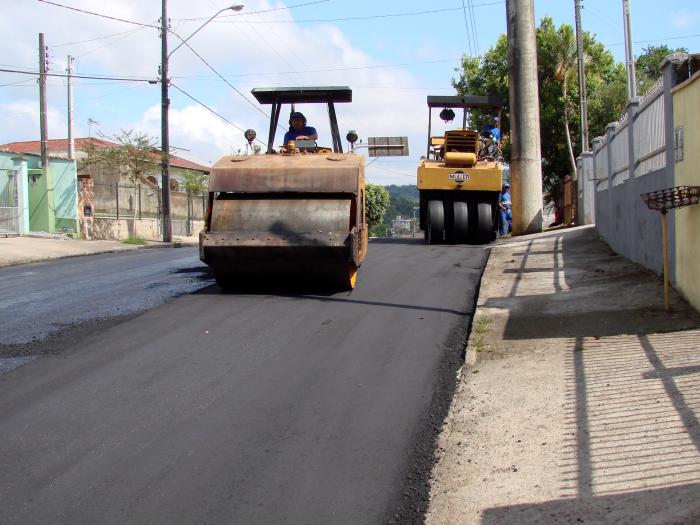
[9,206]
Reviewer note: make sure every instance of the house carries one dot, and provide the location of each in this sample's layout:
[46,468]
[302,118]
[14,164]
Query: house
[37,200]
[59,148]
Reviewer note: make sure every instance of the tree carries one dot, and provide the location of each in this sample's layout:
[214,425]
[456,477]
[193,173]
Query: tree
[605,85]
[133,156]
[558,54]
[196,181]
[377,201]
[648,65]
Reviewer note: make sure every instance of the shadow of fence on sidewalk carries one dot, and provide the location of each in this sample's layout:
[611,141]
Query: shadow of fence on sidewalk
[631,448]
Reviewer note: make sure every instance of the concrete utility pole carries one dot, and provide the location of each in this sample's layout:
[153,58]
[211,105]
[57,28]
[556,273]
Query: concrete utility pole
[164,130]
[71,141]
[526,155]
[42,105]
[629,54]
[581,80]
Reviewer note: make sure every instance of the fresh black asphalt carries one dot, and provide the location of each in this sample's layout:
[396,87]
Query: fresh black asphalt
[246,408]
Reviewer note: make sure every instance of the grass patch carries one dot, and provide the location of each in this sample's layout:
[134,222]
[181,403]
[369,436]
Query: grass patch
[481,328]
[134,240]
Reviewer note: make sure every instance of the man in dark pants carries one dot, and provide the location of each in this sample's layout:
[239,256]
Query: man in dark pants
[505,211]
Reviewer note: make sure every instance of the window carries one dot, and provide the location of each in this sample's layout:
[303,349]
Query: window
[678,144]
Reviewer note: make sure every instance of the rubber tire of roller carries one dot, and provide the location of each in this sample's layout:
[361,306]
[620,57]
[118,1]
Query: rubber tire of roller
[435,227]
[460,225]
[484,224]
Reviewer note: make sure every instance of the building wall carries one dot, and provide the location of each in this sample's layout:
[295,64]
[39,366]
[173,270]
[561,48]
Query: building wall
[11,161]
[686,115]
[46,204]
[65,195]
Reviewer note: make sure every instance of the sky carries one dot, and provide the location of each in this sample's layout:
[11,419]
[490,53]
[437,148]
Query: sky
[392,54]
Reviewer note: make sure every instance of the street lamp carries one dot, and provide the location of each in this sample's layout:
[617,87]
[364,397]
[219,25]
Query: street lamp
[165,106]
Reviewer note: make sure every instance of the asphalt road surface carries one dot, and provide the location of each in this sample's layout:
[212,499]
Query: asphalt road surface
[245,408]
[39,299]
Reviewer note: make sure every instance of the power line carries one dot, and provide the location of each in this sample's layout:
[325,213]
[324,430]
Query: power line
[18,82]
[111,43]
[370,17]
[256,12]
[222,78]
[96,14]
[213,112]
[378,66]
[466,26]
[150,81]
[412,175]
[655,40]
[96,38]
[475,32]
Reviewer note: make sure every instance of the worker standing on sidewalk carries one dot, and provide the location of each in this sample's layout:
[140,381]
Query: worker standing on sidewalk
[505,211]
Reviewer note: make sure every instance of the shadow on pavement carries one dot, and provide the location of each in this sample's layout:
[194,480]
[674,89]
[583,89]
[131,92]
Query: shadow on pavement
[601,509]
[631,446]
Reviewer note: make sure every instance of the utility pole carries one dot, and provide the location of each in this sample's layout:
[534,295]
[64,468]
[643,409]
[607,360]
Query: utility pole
[42,105]
[526,154]
[581,79]
[629,54]
[164,130]
[71,141]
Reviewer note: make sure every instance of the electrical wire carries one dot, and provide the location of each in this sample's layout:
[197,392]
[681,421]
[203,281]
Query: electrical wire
[466,26]
[96,38]
[355,68]
[475,31]
[97,14]
[19,82]
[213,112]
[370,17]
[222,78]
[110,43]
[63,75]
[255,12]
[412,175]
[655,40]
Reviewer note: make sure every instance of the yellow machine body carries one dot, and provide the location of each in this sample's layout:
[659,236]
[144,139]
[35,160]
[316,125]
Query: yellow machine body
[480,176]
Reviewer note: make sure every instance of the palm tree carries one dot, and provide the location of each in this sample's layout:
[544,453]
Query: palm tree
[561,53]
[565,69]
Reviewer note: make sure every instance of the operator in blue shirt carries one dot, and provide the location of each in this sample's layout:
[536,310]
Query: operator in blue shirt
[505,210]
[298,130]
[493,129]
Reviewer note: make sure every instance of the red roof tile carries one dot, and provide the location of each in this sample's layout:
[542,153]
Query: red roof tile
[33,147]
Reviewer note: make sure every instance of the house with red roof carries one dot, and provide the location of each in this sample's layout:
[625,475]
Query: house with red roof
[59,148]
[93,202]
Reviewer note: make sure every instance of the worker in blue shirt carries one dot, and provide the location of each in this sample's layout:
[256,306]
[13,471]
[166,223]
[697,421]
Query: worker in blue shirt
[505,210]
[494,129]
[298,130]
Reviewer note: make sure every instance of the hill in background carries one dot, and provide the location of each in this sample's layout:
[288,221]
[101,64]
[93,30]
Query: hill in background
[403,200]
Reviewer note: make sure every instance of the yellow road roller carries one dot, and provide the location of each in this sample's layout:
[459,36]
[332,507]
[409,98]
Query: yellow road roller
[460,177]
[295,212]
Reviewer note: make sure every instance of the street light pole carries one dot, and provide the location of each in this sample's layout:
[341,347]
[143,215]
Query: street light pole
[629,53]
[165,107]
[581,79]
[164,129]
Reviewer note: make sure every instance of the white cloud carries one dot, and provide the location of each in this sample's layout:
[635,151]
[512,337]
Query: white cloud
[232,45]
[21,121]
[684,19]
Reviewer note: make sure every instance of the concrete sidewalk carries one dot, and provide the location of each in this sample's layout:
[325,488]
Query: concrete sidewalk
[580,398]
[23,250]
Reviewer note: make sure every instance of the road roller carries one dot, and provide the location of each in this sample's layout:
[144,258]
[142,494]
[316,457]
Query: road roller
[461,175]
[295,212]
